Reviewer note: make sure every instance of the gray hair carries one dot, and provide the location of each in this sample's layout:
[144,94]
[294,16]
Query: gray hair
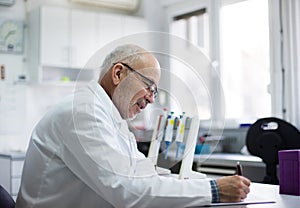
[125,53]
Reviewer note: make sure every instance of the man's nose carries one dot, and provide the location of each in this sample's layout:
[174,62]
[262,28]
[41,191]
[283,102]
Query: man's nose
[149,97]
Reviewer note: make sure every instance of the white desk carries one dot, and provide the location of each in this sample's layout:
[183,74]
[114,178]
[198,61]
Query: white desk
[270,193]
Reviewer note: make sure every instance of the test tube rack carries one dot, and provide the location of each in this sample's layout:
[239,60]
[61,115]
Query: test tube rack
[186,171]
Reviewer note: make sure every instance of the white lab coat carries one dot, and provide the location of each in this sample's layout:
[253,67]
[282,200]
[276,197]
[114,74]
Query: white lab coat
[82,155]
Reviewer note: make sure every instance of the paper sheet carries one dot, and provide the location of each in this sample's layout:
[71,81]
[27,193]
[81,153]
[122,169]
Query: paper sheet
[239,203]
[251,199]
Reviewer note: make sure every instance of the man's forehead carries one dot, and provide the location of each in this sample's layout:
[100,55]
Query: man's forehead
[152,73]
[148,66]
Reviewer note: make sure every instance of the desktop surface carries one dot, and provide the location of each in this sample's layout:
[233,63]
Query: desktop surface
[267,196]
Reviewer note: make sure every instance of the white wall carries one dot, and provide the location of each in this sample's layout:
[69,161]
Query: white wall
[22,106]
[12,97]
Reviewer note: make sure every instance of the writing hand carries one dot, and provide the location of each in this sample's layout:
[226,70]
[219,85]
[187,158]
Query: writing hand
[233,188]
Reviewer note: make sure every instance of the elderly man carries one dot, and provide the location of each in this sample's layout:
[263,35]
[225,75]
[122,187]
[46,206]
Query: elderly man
[82,154]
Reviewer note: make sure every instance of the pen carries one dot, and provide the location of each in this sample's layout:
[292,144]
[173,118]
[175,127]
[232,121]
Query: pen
[239,169]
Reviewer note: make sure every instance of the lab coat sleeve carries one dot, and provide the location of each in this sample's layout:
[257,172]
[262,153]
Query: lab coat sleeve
[95,153]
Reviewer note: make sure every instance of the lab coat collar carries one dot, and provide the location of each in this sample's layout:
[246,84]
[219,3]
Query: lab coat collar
[101,94]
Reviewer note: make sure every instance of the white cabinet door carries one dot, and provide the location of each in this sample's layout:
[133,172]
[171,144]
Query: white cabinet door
[110,28]
[54,36]
[83,37]
[134,25]
[70,37]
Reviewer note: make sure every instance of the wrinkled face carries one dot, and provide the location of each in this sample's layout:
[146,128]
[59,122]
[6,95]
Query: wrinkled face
[136,90]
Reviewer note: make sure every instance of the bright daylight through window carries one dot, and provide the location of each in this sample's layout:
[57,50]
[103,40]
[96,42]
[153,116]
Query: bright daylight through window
[245,59]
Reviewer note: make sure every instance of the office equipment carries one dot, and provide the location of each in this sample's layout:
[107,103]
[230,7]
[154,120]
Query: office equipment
[232,140]
[239,170]
[289,167]
[266,137]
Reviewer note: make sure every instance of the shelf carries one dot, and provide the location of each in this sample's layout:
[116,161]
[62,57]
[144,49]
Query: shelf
[66,75]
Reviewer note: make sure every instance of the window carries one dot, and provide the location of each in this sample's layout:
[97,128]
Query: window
[245,73]
[193,27]
[190,92]
[240,46]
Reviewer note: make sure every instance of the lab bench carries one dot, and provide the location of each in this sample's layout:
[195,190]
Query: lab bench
[11,164]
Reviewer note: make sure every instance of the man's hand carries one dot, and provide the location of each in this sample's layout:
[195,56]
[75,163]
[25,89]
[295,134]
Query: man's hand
[233,188]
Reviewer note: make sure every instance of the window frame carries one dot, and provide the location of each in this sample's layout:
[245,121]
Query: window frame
[211,6]
[290,11]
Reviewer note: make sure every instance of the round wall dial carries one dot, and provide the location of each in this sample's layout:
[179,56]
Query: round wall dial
[11,36]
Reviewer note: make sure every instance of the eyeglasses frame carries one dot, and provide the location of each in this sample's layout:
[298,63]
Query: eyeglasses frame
[152,83]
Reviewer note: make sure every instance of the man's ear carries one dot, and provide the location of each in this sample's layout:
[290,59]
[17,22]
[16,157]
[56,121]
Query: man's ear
[117,74]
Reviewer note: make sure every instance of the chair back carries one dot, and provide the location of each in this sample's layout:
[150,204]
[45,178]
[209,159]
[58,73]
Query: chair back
[6,201]
[266,137]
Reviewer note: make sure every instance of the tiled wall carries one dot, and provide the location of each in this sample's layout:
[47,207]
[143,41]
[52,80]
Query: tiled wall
[21,106]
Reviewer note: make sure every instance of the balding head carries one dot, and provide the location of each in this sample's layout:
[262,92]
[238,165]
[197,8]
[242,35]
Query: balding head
[128,53]
[129,91]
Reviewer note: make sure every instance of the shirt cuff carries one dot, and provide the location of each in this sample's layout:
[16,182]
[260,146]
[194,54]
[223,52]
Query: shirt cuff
[214,191]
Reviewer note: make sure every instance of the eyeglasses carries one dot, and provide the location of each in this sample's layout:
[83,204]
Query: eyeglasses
[151,86]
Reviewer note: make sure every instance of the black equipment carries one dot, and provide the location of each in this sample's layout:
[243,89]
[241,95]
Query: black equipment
[266,137]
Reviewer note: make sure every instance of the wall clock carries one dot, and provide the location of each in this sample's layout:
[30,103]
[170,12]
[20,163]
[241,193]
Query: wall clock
[11,36]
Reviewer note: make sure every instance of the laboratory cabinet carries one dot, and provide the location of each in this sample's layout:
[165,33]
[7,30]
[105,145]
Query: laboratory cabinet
[83,37]
[54,36]
[64,39]
[68,37]
[11,164]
